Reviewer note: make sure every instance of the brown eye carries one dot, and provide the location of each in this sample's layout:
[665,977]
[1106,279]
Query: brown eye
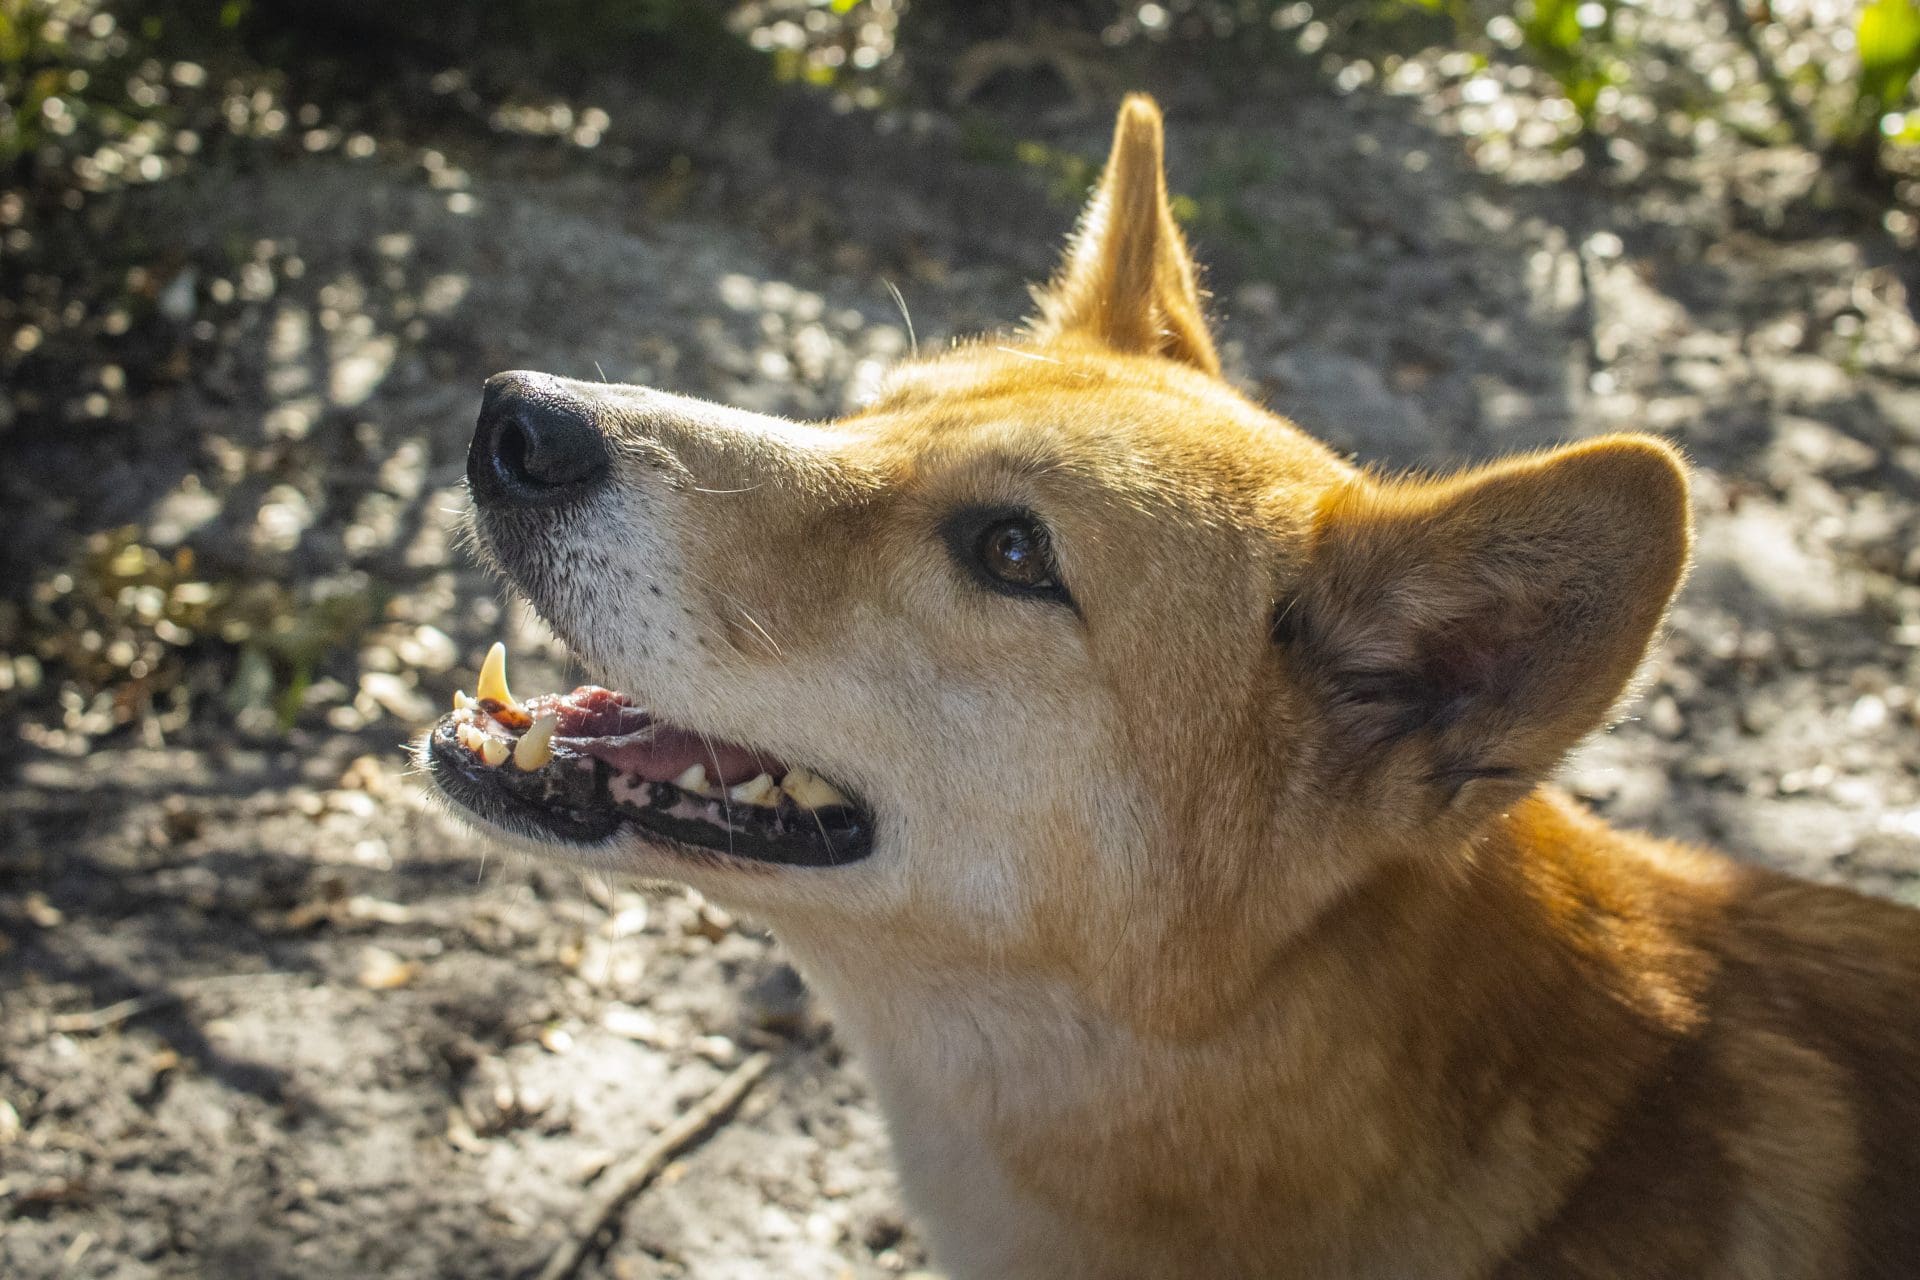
[1005,549]
[1015,552]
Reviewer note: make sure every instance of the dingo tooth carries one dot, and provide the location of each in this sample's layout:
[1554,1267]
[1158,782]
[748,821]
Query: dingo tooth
[494,750]
[758,790]
[810,791]
[535,747]
[796,783]
[493,677]
[694,779]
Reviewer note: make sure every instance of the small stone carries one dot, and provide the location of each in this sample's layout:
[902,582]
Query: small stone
[630,1023]
[719,1050]
[779,1002]
[1869,714]
[1664,717]
[710,922]
[882,1232]
[180,821]
[381,970]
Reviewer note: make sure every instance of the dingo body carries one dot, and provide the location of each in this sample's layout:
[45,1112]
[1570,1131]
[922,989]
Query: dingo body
[1172,842]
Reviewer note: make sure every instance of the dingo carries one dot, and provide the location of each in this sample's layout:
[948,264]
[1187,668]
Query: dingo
[1158,801]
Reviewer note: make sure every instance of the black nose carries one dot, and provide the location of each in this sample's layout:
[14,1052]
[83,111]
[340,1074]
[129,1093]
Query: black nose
[536,445]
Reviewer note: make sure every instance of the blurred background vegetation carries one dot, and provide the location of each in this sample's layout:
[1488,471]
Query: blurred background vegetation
[100,98]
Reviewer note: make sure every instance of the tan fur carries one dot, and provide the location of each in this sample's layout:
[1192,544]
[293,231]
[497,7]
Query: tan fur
[1128,280]
[1224,925]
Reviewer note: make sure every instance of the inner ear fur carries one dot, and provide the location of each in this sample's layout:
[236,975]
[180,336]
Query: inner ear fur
[1128,281]
[1471,631]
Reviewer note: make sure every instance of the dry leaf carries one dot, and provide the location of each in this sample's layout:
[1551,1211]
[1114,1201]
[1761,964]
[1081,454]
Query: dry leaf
[381,970]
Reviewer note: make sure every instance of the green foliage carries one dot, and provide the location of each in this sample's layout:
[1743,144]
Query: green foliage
[1580,45]
[49,61]
[1888,37]
[1572,41]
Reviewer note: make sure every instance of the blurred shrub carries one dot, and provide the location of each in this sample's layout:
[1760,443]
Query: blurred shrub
[70,77]
[1888,38]
[136,635]
[74,72]
[671,45]
[1579,43]
[1572,40]
[1863,111]
[826,43]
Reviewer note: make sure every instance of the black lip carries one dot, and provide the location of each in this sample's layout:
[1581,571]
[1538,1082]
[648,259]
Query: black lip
[572,804]
[564,813]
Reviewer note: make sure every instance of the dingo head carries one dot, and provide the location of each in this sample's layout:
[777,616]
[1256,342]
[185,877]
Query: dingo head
[1060,657]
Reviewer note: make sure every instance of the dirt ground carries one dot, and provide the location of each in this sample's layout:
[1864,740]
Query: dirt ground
[358,1044]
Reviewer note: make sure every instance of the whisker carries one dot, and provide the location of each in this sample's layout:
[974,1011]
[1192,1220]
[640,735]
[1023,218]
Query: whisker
[710,625]
[726,800]
[1030,355]
[832,853]
[755,624]
[773,646]
[899,299]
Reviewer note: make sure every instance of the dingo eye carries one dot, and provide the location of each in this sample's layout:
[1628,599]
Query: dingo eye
[1007,551]
[1015,551]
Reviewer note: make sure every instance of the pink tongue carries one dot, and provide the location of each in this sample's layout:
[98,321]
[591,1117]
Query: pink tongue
[603,724]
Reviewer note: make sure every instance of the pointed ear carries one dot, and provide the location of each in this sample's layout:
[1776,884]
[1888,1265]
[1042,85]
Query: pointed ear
[1127,281]
[1459,637]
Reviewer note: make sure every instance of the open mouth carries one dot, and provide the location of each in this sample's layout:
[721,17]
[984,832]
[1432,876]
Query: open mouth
[582,767]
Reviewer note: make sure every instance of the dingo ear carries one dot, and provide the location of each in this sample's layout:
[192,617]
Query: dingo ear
[1460,636]
[1127,280]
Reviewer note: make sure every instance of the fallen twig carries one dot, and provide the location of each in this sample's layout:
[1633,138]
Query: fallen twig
[113,1015]
[633,1179]
[92,1021]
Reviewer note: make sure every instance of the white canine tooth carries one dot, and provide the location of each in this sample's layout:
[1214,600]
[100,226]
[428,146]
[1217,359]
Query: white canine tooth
[493,677]
[535,747]
[461,701]
[756,790]
[494,750]
[810,791]
[694,779]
